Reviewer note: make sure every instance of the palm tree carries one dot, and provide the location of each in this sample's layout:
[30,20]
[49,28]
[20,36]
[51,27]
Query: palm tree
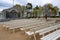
[35,11]
[23,10]
[18,8]
[47,8]
[56,9]
[41,10]
[50,9]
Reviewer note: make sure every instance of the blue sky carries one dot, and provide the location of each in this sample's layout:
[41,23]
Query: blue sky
[8,3]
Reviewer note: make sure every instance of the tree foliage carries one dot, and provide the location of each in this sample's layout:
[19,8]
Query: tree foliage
[29,6]
[49,8]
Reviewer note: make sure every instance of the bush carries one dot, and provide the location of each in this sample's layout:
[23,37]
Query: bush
[54,16]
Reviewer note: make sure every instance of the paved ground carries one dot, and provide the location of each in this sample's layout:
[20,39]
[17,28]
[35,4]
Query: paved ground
[5,35]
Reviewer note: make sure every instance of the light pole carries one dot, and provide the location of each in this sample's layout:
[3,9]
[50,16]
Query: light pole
[13,2]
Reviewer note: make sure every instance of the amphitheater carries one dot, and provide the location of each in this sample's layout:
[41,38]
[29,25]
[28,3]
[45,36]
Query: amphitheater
[30,29]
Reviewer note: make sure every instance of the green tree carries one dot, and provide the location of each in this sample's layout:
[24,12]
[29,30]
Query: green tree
[28,8]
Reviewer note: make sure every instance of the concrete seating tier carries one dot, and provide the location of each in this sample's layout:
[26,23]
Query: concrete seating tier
[21,23]
[52,36]
[24,24]
[38,29]
[55,38]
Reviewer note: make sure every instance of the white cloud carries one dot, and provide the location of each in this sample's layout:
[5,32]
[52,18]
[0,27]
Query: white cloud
[8,1]
[3,8]
[34,2]
[39,2]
